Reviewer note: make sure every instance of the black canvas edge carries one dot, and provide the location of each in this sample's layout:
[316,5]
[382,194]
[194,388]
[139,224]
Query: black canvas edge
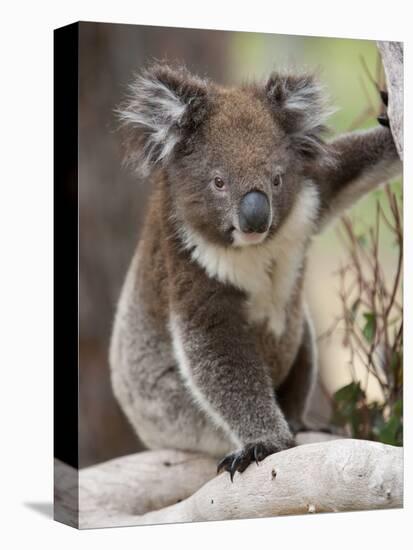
[65,173]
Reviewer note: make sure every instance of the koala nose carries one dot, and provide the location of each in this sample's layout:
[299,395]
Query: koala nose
[254,212]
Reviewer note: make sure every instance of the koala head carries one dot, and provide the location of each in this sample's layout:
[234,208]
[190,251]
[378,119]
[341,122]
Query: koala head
[233,158]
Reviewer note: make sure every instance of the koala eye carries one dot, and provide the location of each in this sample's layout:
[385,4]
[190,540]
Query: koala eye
[278,180]
[219,183]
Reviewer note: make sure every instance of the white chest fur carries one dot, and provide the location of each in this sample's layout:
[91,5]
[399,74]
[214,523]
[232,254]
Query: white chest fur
[266,272]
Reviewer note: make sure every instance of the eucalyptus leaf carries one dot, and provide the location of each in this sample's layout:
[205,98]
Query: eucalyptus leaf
[369,329]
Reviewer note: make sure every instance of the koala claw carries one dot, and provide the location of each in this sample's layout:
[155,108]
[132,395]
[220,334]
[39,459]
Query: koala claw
[240,460]
[384,97]
[383,118]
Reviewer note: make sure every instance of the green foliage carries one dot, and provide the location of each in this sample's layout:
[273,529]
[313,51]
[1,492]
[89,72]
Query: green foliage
[372,315]
[369,329]
[390,431]
[374,421]
[347,407]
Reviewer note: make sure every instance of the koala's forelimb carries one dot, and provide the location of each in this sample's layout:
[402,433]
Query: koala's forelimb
[359,162]
[220,366]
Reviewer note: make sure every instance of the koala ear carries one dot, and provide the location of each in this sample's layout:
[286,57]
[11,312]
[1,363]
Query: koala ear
[300,106]
[164,106]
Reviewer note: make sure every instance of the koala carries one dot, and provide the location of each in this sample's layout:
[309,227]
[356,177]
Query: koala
[213,348]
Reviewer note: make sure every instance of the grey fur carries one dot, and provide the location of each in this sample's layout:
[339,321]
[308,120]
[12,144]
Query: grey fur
[205,331]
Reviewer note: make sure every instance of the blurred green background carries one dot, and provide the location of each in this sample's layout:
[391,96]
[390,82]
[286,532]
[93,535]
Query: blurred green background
[112,202]
[337,60]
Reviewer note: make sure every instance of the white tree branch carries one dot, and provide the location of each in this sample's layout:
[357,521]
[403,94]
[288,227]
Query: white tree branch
[174,486]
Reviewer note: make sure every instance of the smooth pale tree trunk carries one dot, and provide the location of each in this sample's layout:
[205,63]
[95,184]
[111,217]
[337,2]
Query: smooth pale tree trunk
[392,59]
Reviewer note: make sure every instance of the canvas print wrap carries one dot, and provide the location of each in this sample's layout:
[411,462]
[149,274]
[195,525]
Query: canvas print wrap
[229,215]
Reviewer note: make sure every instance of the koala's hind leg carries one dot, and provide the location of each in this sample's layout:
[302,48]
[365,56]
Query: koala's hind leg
[295,392]
[151,393]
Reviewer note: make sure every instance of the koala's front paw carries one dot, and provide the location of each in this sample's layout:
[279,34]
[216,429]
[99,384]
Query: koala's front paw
[240,460]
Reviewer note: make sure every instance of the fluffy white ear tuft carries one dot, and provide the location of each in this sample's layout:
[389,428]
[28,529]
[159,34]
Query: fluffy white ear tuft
[162,106]
[300,105]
